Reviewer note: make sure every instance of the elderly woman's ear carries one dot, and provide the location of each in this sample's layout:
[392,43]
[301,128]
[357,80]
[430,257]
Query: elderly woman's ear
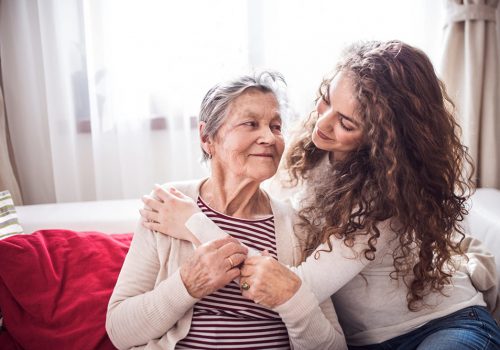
[205,141]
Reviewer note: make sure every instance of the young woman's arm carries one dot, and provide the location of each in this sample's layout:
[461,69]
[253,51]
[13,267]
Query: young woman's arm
[311,325]
[323,271]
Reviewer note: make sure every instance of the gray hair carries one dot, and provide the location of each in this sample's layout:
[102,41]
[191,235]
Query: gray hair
[216,102]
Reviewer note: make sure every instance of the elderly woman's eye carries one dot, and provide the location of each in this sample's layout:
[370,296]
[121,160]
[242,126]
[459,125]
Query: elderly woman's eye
[252,123]
[276,127]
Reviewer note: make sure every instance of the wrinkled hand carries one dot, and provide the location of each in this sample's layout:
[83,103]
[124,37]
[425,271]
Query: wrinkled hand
[212,266]
[168,212]
[271,283]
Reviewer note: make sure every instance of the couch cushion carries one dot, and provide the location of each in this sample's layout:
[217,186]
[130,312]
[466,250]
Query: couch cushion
[9,224]
[483,221]
[55,286]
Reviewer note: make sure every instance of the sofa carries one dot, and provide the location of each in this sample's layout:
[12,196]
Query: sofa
[55,280]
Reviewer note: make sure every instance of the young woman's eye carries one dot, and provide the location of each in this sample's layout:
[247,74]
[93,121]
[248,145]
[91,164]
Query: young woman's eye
[345,124]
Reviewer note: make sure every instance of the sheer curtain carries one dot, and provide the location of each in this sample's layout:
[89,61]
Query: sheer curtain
[102,96]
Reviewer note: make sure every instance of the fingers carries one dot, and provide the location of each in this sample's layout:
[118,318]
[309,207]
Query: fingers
[177,193]
[153,226]
[151,202]
[161,193]
[238,259]
[255,260]
[217,243]
[247,270]
[254,264]
[231,248]
[232,274]
[169,193]
[149,214]
[235,261]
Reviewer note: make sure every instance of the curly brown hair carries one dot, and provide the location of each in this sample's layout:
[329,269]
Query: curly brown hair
[409,168]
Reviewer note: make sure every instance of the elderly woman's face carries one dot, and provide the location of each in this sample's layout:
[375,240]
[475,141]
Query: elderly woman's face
[249,144]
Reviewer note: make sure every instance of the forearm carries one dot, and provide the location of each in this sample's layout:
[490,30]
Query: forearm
[482,271]
[324,276]
[309,325]
[138,310]
[136,320]
[205,230]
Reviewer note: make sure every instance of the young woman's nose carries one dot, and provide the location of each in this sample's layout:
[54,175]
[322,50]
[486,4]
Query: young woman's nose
[326,121]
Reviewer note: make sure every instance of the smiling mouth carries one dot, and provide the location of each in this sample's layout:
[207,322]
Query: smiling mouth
[263,155]
[323,136]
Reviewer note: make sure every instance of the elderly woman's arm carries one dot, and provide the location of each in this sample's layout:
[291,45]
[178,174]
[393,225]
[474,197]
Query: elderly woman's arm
[139,310]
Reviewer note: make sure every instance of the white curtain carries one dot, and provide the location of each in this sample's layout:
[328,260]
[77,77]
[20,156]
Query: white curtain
[102,95]
[470,67]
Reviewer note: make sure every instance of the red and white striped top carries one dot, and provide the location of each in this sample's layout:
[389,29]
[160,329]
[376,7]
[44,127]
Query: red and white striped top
[225,319]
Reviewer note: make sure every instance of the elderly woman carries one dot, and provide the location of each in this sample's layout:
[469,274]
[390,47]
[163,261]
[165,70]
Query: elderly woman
[171,295]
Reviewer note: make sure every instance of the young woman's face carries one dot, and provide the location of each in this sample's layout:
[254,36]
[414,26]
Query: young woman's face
[338,129]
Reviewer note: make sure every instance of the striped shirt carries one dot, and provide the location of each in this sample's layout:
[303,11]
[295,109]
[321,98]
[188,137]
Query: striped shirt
[227,320]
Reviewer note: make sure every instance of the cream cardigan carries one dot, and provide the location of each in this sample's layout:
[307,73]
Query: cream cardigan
[150,307]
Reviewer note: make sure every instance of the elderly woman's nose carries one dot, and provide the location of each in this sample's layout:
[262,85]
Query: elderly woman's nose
[267,135]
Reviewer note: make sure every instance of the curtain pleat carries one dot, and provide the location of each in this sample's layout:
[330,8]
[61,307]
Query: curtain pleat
[470,68]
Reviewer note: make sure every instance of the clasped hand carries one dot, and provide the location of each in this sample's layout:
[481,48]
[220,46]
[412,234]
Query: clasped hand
[212,266]
[270,282]
[215,264]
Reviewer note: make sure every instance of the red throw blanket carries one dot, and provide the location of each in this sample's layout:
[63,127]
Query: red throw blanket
[55,286]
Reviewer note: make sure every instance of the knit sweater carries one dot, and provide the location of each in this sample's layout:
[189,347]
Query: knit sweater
[150,307]
[371,306]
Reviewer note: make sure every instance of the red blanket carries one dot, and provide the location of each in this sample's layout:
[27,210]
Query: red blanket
[55,286]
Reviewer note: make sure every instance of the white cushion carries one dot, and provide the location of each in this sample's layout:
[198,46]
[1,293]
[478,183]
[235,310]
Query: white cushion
[483,220]
[111,216]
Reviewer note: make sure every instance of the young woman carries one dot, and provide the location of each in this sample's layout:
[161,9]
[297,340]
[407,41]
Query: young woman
[379,169]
